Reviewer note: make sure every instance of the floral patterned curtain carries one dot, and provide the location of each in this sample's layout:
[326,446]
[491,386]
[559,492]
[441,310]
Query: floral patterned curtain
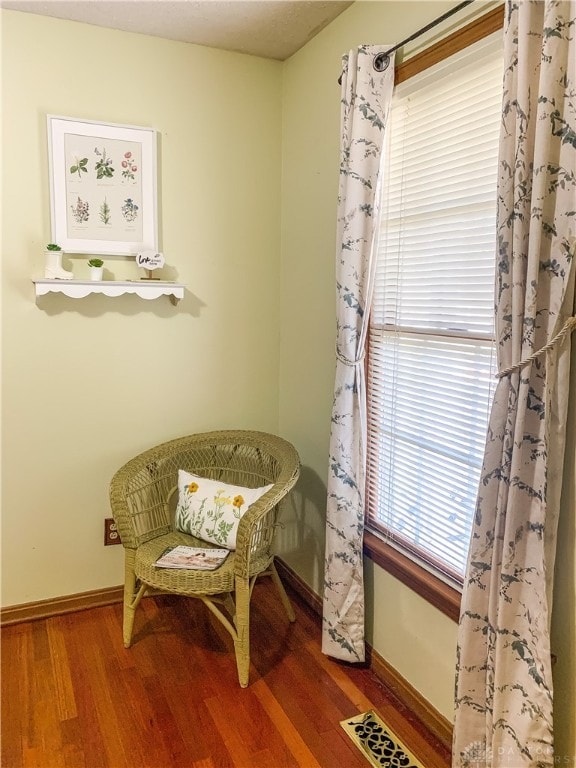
[366,95]
[504,679]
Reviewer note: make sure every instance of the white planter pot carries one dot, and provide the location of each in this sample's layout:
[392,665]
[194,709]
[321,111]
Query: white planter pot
[96,273]
[53,269]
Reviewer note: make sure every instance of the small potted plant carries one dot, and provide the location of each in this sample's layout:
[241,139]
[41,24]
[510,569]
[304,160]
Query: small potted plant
[96,269]
[53,267]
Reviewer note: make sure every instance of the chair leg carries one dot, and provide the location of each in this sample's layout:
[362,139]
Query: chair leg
[242,639]
[131,598]
[282,592]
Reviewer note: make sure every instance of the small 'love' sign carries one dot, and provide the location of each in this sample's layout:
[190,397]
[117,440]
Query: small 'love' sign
[150,260]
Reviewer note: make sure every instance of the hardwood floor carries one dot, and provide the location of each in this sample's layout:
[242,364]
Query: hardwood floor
[74,697]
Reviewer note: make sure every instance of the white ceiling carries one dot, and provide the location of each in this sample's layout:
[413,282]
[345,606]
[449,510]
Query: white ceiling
[271,28]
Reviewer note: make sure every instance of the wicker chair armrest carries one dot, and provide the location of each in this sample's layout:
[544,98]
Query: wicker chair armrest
[134,526]
[256,528]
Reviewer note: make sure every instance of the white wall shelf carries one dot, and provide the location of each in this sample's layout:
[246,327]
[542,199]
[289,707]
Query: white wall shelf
[78,289]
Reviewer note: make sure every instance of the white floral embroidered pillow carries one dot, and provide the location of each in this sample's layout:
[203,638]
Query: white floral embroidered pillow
[211,510]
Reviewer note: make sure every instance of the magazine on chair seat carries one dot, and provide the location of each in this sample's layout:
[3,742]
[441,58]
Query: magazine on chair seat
[192,558]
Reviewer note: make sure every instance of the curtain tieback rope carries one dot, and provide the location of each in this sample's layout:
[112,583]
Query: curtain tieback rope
[346,361]
[567,328]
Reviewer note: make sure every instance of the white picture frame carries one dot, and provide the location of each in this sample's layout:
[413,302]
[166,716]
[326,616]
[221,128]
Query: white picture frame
[103,186]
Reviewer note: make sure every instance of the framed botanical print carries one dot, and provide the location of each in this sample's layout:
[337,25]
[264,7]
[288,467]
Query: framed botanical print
[103,191]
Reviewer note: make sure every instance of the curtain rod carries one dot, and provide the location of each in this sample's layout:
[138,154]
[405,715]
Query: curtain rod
[382,60]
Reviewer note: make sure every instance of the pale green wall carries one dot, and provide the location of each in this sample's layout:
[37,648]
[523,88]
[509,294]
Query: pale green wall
[399,622]
[408,632]
[564,611]
[89,383]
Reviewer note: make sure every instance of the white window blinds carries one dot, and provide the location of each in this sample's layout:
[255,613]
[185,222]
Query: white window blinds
[431,357]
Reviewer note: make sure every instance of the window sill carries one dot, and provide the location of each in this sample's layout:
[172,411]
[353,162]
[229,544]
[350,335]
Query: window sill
[430,587]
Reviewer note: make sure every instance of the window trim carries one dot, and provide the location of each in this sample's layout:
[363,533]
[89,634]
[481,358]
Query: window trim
[437,592]
[477,30]
[441,595]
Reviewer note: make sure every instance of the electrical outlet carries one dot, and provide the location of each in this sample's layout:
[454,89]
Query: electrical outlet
[111,535]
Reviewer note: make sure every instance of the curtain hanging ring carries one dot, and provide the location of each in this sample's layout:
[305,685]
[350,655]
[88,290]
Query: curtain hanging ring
[381,62]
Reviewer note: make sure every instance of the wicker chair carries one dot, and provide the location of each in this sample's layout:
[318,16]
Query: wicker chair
[143,495]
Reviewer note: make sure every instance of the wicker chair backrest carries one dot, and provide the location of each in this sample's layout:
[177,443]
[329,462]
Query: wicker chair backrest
[140,491]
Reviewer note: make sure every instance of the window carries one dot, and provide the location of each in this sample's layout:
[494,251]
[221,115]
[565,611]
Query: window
[431,357]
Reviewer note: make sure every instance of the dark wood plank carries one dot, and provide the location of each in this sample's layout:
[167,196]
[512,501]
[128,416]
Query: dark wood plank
[74,697]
